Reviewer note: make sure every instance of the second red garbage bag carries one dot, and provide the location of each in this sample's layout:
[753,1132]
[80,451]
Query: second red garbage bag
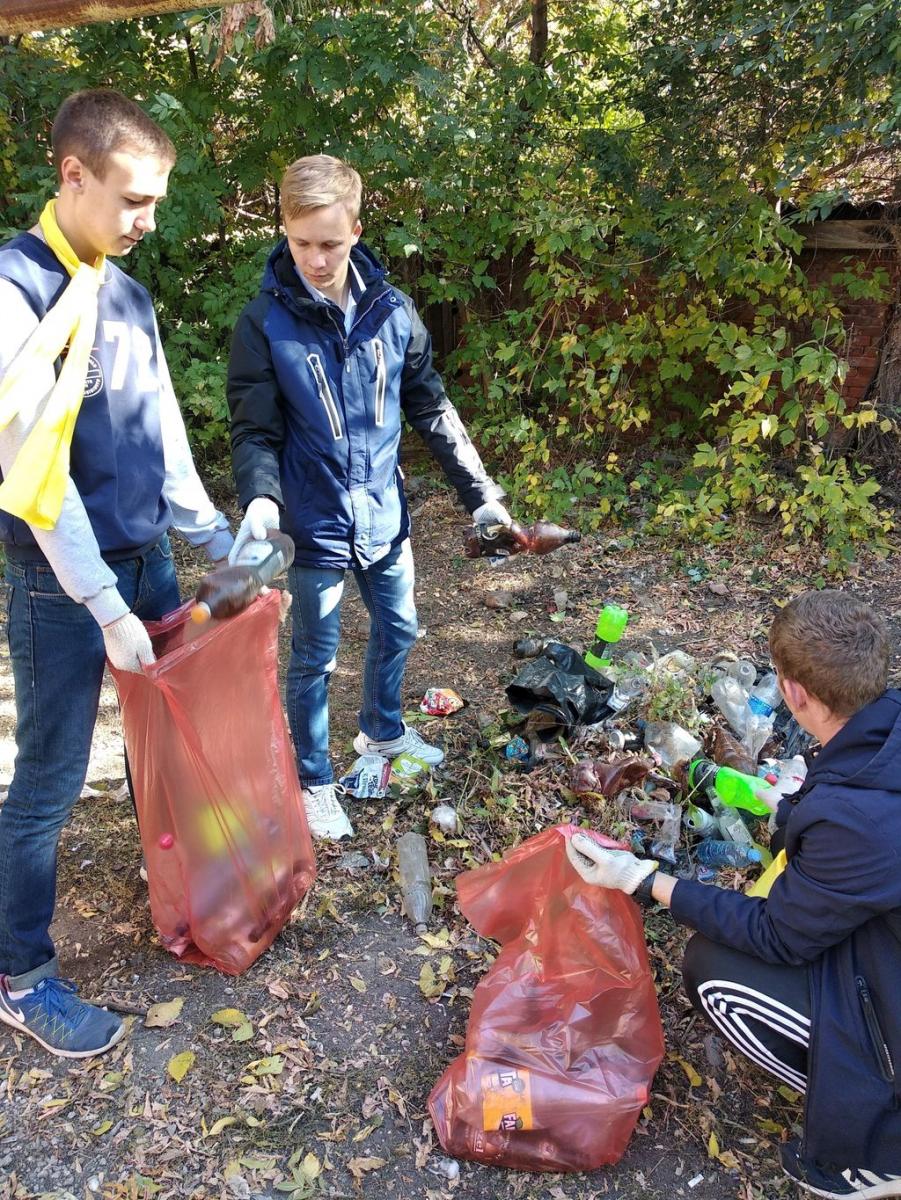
[564,1036]
[223,828]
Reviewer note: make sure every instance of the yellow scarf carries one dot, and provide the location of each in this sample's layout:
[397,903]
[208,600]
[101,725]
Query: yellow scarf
[36,484]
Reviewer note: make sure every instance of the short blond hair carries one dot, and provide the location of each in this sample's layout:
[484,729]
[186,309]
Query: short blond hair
[318,181]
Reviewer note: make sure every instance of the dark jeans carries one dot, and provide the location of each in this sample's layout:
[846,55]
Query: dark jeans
[57,654]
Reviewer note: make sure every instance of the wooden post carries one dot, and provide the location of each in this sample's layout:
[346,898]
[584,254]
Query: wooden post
[26,16]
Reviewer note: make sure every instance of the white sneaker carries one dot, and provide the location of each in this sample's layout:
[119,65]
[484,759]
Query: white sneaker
[325,816]
[408,743]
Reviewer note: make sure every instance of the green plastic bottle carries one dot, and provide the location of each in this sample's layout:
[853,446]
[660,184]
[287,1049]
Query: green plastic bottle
[611,625]
[735,789]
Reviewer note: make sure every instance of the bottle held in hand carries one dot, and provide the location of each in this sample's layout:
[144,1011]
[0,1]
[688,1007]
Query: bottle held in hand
[229,590]
[500,541]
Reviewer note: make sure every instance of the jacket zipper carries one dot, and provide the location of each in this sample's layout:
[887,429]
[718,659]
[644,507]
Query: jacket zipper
[325,395]
[380,381]
[886,1065]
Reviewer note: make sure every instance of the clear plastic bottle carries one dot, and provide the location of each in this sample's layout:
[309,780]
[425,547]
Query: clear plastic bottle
[670,743]
[713,853]
[628,687]
[732,701]
[765,696]
[415,879]
[733,828]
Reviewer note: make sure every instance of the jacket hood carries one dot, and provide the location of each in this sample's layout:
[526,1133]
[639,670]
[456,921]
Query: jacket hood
[279,273]
[866,752]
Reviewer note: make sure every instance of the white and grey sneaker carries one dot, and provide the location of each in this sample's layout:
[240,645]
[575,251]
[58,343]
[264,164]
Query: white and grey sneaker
[408,743]
[325,816]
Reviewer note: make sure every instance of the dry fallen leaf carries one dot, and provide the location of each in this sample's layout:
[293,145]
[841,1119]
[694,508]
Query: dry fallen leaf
[428,984]
[164,1014]
[231,1017]
[180,1065]
[359,1166]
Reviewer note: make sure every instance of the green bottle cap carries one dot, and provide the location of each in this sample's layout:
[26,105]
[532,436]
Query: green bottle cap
[611,623]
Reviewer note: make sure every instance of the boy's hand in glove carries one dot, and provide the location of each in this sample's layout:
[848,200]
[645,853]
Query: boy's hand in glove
[261,516]
[491,513]
[596,864]
[128,643]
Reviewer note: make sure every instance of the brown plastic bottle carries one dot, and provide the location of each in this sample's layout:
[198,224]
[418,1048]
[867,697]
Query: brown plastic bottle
[500,541]
[228,591]
[545,536]
[495,540]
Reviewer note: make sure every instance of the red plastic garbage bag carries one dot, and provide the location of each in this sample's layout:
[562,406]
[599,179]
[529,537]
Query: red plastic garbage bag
[564,1036]
[223,827]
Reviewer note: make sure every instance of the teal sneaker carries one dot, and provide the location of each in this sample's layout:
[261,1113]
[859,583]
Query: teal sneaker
[53,1015]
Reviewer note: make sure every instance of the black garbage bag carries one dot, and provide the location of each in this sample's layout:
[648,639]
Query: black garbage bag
[559,690]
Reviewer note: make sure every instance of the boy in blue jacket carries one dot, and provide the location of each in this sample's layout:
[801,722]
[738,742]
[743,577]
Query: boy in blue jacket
[325,362]
[806,982]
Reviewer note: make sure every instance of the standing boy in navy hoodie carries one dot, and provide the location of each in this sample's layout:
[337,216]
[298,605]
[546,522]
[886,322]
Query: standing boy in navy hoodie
[806,982]
[87,553]
[325,362]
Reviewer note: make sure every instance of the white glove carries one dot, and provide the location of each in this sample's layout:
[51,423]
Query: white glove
[492,513]
[262,514]
[128,643]
[605,868]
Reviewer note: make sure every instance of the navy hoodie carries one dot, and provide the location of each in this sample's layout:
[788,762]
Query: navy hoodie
[837,908]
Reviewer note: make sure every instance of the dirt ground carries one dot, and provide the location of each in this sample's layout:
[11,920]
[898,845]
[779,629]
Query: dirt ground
[327,1095]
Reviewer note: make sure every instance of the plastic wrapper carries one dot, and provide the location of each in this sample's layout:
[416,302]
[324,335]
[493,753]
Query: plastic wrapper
[368,778]
[441,702]
[564,1036]
[223,828]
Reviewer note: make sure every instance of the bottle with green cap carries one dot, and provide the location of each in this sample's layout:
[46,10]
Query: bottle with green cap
[611,625]
[735,789]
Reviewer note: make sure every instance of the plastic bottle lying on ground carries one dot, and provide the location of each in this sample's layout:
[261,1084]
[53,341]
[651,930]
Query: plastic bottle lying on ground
[765,696]
[713,853]
[415,879]
[670,743]
[611,626]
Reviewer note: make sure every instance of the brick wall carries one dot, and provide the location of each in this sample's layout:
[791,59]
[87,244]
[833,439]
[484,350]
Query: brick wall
[865,321]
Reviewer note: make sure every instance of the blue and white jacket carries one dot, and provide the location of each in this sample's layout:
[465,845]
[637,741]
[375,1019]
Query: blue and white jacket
[316,413]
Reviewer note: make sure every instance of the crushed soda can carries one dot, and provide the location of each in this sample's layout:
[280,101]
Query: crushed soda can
[368,777]
[407,766]
[441,702]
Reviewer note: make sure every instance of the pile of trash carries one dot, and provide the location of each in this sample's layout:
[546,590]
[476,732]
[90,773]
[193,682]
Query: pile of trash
[684,759]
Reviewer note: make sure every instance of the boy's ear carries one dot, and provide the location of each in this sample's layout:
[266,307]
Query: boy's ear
[357,230]
[72,172]
[796,695]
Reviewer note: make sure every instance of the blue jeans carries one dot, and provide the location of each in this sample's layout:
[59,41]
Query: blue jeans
[387,591]
[57,654]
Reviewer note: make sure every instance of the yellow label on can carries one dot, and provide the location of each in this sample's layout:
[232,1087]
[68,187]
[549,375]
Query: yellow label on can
[506,1099]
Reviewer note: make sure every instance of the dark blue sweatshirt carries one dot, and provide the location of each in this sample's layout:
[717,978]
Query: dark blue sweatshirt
[837,908]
